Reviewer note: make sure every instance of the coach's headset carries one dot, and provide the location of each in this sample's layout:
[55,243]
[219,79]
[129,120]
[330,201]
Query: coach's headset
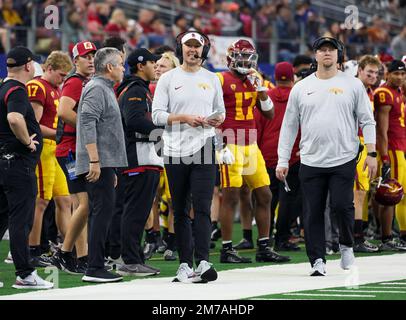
[335,42]
[206,47]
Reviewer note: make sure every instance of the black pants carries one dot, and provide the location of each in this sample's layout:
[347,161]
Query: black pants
[290,203]
[101,205]
[140,192]
[18,191]
[114,239]
[316,183]
[197,180]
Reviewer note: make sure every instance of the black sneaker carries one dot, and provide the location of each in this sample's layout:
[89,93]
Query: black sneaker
[231,256]
[268,255]
[149,250]
[101,276]
[215,234]
[365,247]
[393,245]
[41,261]
[66,262]
[81,265]
[212,244]
[244,244]
[287,246]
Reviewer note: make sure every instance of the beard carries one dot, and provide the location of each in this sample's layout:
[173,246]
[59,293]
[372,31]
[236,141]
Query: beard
[328,65]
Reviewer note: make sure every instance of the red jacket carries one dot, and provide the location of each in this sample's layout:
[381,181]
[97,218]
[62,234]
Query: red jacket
[268,130]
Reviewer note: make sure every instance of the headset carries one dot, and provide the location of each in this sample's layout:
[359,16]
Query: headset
[340,47]
[206,47]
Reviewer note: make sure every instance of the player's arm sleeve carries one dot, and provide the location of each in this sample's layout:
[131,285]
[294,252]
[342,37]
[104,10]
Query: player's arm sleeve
[92,107]
[289,129]
[134,111]
[364,114]
[160,104]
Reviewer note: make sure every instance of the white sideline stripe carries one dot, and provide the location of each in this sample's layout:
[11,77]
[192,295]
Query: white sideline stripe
[381,287]
[362,291]
[330,295]
[237,283]
[394,283]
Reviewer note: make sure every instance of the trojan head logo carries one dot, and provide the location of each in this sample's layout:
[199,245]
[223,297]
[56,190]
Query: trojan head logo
[204,86]
[88,45]
[233,86]
[336,91]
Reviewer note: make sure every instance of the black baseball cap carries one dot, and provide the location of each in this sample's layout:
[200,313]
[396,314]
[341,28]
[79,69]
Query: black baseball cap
[323,40]
[19,56]
[141,55]
[396,65]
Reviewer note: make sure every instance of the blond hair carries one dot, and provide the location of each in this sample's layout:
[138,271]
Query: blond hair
[58,60]
[172,58]
[368,59]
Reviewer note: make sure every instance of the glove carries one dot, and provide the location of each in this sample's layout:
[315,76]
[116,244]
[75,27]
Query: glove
[385,171]
[225,156]
[257,81]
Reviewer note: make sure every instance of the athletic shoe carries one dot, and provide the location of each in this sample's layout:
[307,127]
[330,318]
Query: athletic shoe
[81,265]
[41,261]
[287,246]
[32,281]
[244,244]
[347,257]
[231,256]
[184,274]
[318,269]
[138,270]
[205,272]
[149,250]
[101,276]
[112,263]
[66,262]
[393,245]
[268,255]
[9,259]
[212,244]
[162,246]
[170,255]
[215,234]
[329,251]
[365,247]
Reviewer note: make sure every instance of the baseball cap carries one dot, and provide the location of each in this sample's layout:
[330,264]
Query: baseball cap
[404,59]
[396,65]
[141,55]
[284,71]
[82,48]
[19,56]
[193,36]
[323,40]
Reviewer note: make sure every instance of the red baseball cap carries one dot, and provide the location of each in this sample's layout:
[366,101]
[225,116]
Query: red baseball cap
[82,48]
[284,71]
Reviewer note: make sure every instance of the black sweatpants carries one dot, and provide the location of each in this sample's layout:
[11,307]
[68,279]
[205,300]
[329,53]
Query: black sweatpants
[140,192]
[101,204]
[18,191]
[197,180]
[316,183]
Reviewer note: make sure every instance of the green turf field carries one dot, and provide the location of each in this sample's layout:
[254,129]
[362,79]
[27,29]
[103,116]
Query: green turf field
[168,269]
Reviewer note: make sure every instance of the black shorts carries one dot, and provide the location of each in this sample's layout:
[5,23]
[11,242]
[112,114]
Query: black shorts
[75,186]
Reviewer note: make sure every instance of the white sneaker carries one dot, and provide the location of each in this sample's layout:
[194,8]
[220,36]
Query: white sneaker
[9,259]
[184,274]
[33,281]
[347,257]
[319,268]
[205,272]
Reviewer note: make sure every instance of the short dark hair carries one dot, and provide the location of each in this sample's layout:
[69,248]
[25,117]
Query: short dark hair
[114,42]
[134,68]
[301,59]
[164,48]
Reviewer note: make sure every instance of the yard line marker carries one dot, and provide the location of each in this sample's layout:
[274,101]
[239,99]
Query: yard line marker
[367,291]
[382,287]
[394,283]
[330,295]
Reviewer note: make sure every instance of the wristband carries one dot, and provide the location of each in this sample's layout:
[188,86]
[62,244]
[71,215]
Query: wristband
[266,105]
[385,158]
[96,161]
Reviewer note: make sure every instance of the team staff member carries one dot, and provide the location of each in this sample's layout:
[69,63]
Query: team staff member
[328,106]
[44,97]
[391,144]
[184,97]
[100,149]
[141,178]
[20,149]
[76,235]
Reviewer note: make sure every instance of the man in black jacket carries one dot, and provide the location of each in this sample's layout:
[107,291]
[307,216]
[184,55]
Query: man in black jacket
[141,178]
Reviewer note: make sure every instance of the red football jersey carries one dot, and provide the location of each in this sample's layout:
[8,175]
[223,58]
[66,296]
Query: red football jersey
[44,93]
[385,95]
[240,99]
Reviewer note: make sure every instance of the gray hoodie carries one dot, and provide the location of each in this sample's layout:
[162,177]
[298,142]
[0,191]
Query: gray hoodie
[99,121]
